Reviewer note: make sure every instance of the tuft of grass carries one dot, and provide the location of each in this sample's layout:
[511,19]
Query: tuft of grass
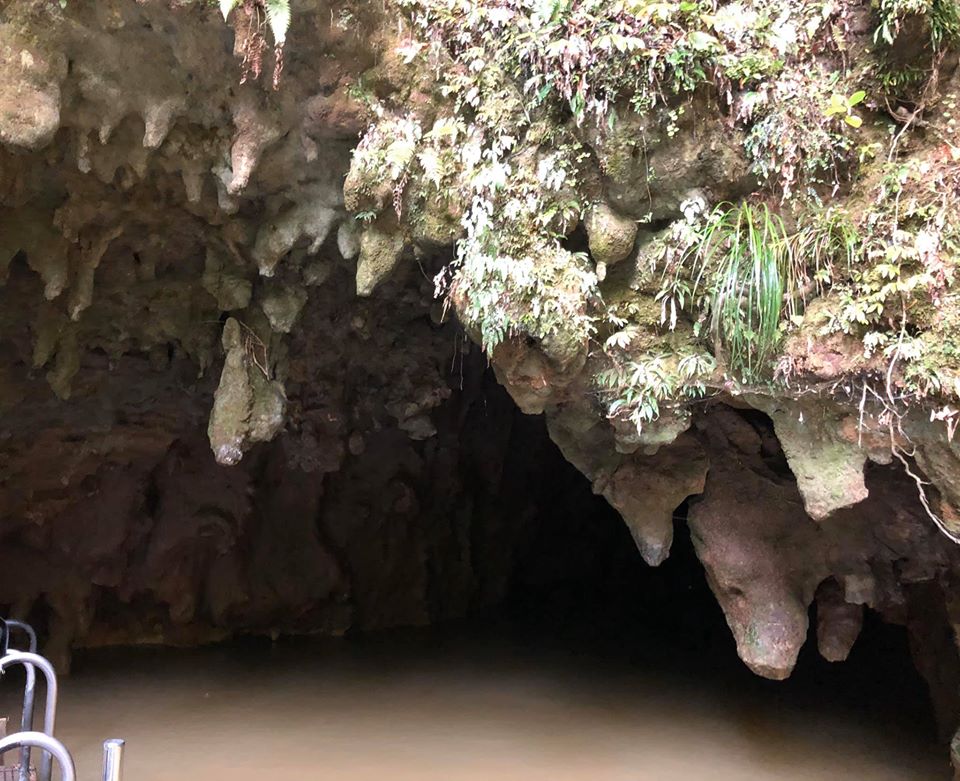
[744,263]
[820,246]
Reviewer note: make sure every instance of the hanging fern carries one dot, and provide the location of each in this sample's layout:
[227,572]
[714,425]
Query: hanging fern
[277,13]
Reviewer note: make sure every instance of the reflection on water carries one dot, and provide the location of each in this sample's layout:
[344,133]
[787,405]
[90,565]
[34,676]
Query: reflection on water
[498,701]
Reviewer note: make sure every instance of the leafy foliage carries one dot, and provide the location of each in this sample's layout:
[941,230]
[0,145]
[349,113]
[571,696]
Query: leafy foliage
[523,84]
[587,53]
[825,247]
[513,71]
[743,263]
[843,106]
[638,389]
[511,274]
[277,13]
[942,18]
[800,136]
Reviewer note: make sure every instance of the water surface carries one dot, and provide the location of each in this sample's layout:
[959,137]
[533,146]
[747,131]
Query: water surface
[490,701]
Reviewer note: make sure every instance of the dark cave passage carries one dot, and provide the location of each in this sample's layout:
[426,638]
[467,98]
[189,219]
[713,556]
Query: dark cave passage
[483,592]
[582,588]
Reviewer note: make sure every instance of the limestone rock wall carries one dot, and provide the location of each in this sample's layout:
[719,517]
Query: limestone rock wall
[175,259]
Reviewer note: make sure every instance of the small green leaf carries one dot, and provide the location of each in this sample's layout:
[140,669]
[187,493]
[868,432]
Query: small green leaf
[837,105]
[856,97]
[853,120]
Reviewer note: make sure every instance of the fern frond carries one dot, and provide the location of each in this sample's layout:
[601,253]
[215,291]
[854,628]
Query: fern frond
[226,6]
[278,17]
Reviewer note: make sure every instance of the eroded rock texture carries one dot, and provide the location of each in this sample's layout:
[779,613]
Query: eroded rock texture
[176,258]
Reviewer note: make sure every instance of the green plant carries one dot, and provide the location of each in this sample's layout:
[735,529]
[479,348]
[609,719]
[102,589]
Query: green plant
[844,106]
[743,263]
[741,272]
[589,54]
[277,13]
[942,17]
[793,139]
[823,247]
[511,275]
[639,388]
[944,23]
[885,291]
[901,80]
[673,295]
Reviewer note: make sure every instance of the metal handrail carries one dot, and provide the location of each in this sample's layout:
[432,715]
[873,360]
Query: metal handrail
[29,660]
[28,630]
[50,746]
[26,718]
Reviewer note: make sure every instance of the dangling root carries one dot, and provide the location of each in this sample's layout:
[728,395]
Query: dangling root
[277,65]
[250,26]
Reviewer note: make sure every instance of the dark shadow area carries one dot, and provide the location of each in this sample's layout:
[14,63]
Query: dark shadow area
[582,590]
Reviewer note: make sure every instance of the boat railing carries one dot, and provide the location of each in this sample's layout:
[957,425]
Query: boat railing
[27,739]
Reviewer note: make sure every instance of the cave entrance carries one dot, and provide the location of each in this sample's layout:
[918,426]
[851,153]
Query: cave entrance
[592,666]
[555,652]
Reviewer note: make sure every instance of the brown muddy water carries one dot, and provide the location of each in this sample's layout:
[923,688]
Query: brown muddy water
[552,699]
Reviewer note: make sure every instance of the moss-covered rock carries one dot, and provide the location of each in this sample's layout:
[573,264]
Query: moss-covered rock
[248,407]
[653,162]
[30,80]
[282,305]
[437,221]
[226,281]
[380,251]
[611,235]
[829,469]
[230,417]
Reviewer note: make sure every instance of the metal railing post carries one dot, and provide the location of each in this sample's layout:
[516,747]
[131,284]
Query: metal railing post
[113,759]
[12,623]
[26,719]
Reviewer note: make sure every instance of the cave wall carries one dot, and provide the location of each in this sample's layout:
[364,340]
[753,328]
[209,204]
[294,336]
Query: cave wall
[141,238]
